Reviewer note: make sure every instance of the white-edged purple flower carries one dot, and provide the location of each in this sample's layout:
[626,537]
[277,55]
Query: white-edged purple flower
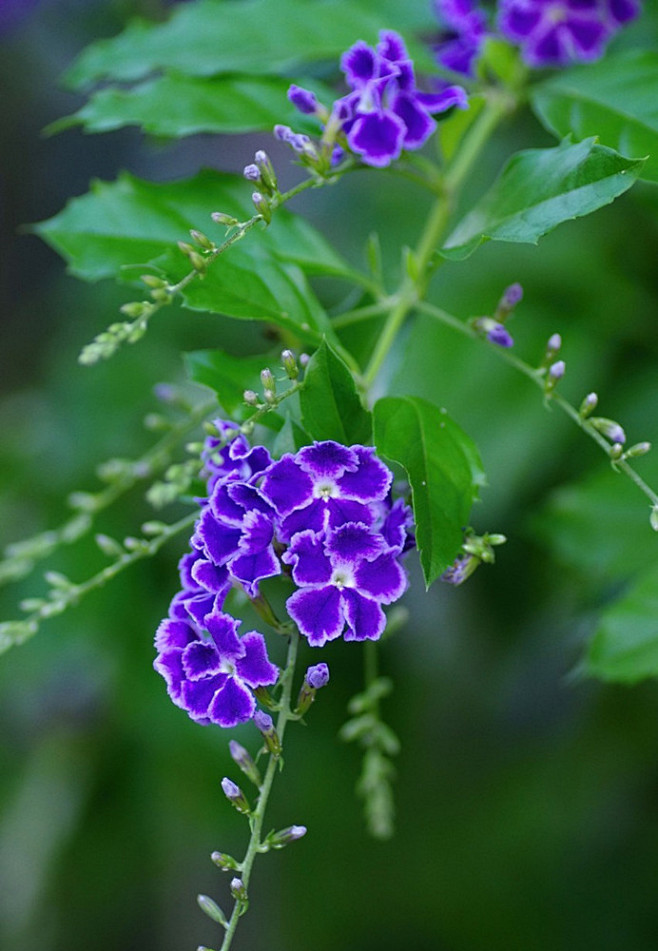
[385,112]
[558,32]
[325,485]
[344,575]
[229,456]
[212,676]
[236,532]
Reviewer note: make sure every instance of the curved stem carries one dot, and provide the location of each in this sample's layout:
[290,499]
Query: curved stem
[449,320]
[285,715]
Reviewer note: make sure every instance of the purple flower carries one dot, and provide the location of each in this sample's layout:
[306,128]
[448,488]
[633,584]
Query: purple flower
[344,576]
[464,30]
[229,456]
[385,112]
[317,676]
[212,677]
[325,485]
[236,532]
[558,32]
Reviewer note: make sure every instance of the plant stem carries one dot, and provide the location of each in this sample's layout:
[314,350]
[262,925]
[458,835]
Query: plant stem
[420,269]
[449,320]
[285,715]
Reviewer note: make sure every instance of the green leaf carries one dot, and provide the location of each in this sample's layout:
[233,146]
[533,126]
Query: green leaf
[444,471]
[625,645]
[177,105]
[330,404]
[290,437]
[615,99]
[257,37]
[123,228]
[539,189]
[227,375]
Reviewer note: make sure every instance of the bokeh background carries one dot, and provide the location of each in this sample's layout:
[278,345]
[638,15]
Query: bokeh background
[527,795]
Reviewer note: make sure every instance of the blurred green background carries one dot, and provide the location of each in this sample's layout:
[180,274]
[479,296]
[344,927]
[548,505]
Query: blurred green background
[527,797]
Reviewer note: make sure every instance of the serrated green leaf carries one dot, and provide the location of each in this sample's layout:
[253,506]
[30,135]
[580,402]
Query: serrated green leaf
[227,375]
[625,645]
[444,471]
[257,37]
[539,189]
[615,99]
[176,105]
[330,404]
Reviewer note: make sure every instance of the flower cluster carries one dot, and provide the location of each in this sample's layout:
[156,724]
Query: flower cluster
[384,112]
[324,516]
[548,32]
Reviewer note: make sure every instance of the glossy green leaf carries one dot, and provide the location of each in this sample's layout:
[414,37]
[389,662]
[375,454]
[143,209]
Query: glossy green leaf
[330,404]
[257,37]
[444,471]
[539,189]
[123,228]
[290,437]
[625,645]
[177,105]
[615,99]
[227,375]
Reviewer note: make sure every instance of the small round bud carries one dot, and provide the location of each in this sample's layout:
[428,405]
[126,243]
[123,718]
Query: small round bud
[262,206]
[318,675]
[265,724]
[250,398]
[512,295]
[609,428]
[553,345]
[556,370]
[251,173]
[224,861]
[238,889]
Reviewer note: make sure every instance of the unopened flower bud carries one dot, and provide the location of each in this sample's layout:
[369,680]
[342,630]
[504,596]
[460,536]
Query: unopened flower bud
[266,169]
[512,295]
[220,218]
[303,99]
[616,451]
[267,379]
[262,206]
[609,428]
[639,449]
[303,360]
[553,345]
[290,364]
[556,370]
[244,761]
[235,796]
[251,173]
[316,677]
[224,861]
[588,405]
[238,889]
[278,839]
[134,308]
[250,398]
[494,331]
[461,569]
[202,240]
[152,281]
[212,909]
[265,724]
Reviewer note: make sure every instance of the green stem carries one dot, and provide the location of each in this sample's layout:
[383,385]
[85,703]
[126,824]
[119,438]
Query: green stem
[258,816]
[449,320]
[421,266]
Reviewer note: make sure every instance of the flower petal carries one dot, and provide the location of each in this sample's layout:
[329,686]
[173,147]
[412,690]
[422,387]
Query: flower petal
[318,613]
[254,667]
[371,480]
[365,618]
[310,564]
[232,704]
[224,631]
[382,579]
[286,486]
[326,459]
